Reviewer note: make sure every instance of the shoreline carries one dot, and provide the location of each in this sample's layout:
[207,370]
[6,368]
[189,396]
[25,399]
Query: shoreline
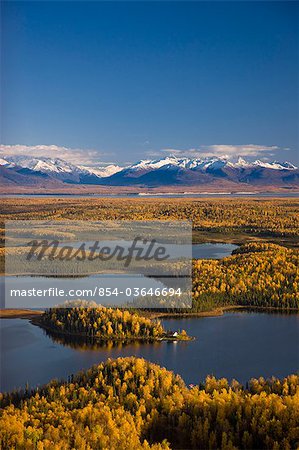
[10,313]
[219,311]
[35,321]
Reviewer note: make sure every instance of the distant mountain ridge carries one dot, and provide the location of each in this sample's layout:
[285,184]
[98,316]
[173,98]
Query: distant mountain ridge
[168,171]
[59,168]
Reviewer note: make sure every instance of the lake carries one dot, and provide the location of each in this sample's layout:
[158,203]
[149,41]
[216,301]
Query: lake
[199,251]
[237,345]
[212,251]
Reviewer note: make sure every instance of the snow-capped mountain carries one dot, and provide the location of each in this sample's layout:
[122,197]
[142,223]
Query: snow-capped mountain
[102,172]
[169,170]
[275,165]
[172,170]
[204,164]
[41,164]
[59,169]
[3,162]
[184,163]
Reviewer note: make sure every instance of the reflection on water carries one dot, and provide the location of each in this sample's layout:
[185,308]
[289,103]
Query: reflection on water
[238,345]
[91,283]
[212,251]
[84,343]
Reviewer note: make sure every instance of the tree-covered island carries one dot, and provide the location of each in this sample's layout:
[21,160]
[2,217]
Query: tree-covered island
[106,324]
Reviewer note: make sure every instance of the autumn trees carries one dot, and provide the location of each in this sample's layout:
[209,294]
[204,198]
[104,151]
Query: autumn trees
[257,274]
[264,217]
[102,323]
[130,403]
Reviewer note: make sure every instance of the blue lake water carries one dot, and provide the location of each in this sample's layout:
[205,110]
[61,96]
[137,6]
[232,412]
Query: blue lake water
[203,251]
[236,345]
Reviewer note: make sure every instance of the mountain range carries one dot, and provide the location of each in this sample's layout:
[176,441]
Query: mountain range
[168,171]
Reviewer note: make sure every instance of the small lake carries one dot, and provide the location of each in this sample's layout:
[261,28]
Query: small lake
[206,250]
[212,251]
[237,345]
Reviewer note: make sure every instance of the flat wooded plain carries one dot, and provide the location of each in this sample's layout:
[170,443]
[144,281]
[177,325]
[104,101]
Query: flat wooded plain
[235,220]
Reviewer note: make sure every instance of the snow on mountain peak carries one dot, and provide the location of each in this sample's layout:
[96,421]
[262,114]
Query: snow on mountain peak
[242,163]
[63,170]
[57,166]
[275,165]
[286,165]
[182,162]
[102,172]
[41,164]
[154,164]
[3,162]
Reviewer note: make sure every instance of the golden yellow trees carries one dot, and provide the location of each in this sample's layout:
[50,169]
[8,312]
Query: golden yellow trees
[265,275]
[130,403]
[102,323]
[266,217]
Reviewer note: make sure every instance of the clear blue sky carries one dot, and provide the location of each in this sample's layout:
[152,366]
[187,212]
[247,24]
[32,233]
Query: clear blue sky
[131,79]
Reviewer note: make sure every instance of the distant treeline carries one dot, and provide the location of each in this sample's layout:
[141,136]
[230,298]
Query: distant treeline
[276,217]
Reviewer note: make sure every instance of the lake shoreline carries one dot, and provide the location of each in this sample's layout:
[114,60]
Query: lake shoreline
[220,311]
[35,321]
[239,345]
[10,313]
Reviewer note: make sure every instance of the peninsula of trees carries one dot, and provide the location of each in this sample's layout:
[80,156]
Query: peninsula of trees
[106,324]
[257,274]
[130,403]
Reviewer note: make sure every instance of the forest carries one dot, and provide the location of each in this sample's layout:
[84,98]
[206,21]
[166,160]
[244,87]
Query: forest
[129,403]
[257,274]
[104,323]
[256,216]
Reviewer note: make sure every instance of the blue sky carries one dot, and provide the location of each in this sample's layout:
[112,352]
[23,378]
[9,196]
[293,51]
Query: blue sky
[108,81]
